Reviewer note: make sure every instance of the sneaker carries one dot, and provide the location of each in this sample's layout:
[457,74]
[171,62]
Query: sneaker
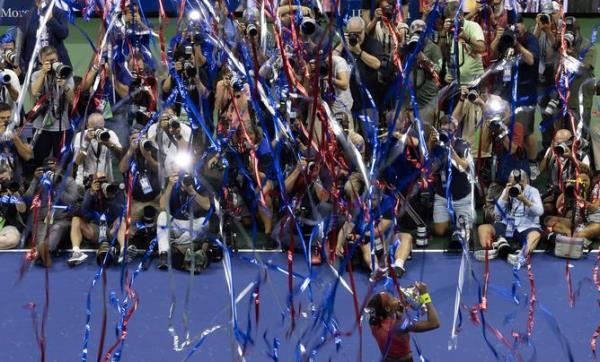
[77,258]
[378,274]
[515,259]
[534,170]
[587,245]
[163,262]
[502,246]
[398,270]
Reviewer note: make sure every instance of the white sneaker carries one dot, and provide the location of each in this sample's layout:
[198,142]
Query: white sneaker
[534,170]
[77,258]
[516,259]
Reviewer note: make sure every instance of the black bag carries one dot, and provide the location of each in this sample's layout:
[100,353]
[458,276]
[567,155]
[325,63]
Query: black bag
[181,257]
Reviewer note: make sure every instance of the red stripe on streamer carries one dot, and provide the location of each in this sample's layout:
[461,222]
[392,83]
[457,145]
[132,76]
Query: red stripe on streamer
[532,296]
[103,331]
[290,257]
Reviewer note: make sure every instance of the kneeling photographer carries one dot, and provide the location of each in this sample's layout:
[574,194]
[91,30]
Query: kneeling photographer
[517,216]
[183,219]
[563,165]
[48,184]
[447,150]
[12,208]
[578,221]
[140,162]
[98,220]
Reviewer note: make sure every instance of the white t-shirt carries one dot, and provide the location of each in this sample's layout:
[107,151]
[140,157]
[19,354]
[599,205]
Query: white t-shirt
[169,147]
[14,82]
[343,98]
[99,157]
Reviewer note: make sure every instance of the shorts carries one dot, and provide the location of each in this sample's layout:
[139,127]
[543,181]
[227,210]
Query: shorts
[526,116]
[518,236]
[462,207]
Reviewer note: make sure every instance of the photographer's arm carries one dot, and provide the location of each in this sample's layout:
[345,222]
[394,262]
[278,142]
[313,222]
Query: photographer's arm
[526,55]
[13,92]
[202,201]
[126,159]
[290,181]
[342,81]
[536,207]
[57,25]
[24,150]
[370,60]
[152,163]
[38,83]
[164,198]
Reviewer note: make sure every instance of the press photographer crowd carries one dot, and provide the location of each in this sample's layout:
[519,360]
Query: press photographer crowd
[343,140]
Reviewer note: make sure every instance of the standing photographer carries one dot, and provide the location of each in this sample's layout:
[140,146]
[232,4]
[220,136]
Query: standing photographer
[54,34]
[509,43]
[184,207]
[52,88]
[517,216]
[48,184]
[429,64]
[98,220]
[95,148]
[10,88]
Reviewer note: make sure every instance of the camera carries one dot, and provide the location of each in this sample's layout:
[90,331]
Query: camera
[147,145]
[569,23]
[12,186]
[444,137]
[251,30]
[472,95]
[102,135]
[142,115]
[411,45]
[188,180]
[173,123]
[353,39]
[507,40]
[308,26]
[109,189]
[388,12]
[220,165]
[497,128]
[545,19]
[61,70]
[570,191]
[10,57]
[561,149]
[515,190]
[551,108]
[5,78]
[189,70]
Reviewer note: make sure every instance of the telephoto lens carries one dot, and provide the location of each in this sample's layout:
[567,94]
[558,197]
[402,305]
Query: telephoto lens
[173,123]
[188,180]
[561,149]
[252,30]
[61,70]
[472,95]
[515,190]
[102,135]
[5,78]
[353,39]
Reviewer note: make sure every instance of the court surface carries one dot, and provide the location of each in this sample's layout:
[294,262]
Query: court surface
[557,328]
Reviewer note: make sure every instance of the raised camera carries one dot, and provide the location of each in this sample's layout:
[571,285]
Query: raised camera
[102,135]
[61,70]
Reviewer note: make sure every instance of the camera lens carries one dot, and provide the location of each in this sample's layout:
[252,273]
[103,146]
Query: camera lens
[5,78]
[514,191]
[174,123]
[353,39]
[188,180]
[561,149]
[472,95]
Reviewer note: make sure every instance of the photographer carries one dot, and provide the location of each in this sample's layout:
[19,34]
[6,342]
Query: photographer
[579,210]
[448,150]
[183,205]
[517,216]
[468,64]
[12,207]
[547,32]
[511,42]
[8,56]
[192,72]
[429,64]
[131,35]
[98,220]
[54,34]
[563,165]
[52,89]
[141,159]
[48,184]
[339,98]
[366,52]
[94,149]
[468,112]
[170,136]
[14,151]
[10,88]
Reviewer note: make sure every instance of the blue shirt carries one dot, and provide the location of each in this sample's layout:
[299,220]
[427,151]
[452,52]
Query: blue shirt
[516,215]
